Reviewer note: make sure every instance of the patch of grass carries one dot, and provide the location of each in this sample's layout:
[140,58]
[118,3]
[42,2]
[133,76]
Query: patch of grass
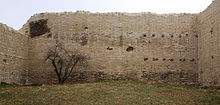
[109,92]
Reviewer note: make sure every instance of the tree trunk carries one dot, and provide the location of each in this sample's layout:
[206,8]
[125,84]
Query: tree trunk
[60,81]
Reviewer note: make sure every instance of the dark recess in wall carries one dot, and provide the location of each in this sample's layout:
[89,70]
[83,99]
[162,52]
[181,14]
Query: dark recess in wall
[84,39]
[38,28]
[211,31]
[4,60]
[171,35]
[130,49]
[170,59]
[49,35]
[153,35]
[109,48]
[145,59]
[155,59]
[192,60]
[197,36]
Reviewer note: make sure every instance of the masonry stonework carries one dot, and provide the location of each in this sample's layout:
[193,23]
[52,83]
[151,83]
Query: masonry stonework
[13,56]
[151,46]
[209,45]
[171,48]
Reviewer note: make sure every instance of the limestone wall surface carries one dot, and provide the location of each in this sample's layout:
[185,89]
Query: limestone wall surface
[145,45]
[171,48]
[209,45]
[13,55]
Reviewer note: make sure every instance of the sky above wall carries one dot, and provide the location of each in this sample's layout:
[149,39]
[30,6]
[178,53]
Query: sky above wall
[15,13]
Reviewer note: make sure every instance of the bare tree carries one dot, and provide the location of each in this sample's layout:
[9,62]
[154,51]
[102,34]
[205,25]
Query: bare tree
[64,62]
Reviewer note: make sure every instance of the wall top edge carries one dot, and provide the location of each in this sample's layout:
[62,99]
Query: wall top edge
[214,2]
[8,28]
[113,13]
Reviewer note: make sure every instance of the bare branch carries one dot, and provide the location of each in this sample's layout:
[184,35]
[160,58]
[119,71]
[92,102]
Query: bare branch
[64,61]
[71,70]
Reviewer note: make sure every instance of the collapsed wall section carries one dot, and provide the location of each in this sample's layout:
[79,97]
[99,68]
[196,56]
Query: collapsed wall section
[209,45]
[145,45]
[13,56]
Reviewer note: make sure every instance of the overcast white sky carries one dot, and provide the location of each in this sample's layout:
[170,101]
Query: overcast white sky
[15,13]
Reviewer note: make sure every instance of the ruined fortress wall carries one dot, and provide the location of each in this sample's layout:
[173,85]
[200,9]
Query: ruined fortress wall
[13,55]
[177,48]
[145,45]
[209,45]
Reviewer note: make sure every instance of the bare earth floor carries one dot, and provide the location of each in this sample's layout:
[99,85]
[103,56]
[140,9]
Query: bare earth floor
[118,92]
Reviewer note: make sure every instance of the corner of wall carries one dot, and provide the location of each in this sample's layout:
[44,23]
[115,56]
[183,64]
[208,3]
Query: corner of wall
[209,45]
[13,55]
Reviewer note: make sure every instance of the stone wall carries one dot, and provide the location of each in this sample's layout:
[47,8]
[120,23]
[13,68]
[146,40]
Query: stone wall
[120,45]
[209,45]
[13,56]
[171,48]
